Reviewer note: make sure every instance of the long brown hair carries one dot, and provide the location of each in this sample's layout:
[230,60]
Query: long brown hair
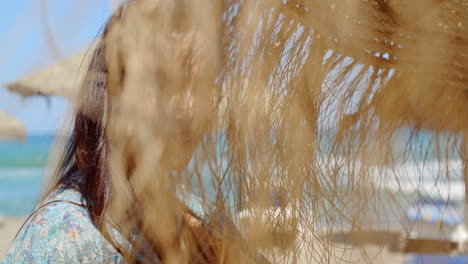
[84,164]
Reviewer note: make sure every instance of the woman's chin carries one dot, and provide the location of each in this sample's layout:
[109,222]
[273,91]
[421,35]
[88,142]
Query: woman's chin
[179,154]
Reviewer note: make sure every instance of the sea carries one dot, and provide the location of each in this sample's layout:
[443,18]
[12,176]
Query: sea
[23,168]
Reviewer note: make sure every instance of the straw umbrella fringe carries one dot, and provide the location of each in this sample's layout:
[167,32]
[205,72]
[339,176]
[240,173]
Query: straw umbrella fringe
[11,128]
[60,79]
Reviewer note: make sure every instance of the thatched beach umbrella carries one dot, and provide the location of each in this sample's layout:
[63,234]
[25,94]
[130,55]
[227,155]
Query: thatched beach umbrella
[11,128]
[423,47]
[60,79]
[397,64]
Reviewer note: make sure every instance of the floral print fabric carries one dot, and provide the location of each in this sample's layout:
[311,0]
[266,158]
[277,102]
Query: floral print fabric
[61,232]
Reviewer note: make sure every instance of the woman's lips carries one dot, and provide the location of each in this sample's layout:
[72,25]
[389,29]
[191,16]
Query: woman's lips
[185,136]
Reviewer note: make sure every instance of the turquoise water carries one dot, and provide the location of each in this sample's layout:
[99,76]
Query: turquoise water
[30,154]
[19,190]
[21,173]
[22,168]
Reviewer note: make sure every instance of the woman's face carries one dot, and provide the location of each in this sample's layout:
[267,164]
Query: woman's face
[182,138]
[188,107]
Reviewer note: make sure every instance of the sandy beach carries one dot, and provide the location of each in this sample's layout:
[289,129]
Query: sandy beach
[9,226]
[340,253]
[367,254]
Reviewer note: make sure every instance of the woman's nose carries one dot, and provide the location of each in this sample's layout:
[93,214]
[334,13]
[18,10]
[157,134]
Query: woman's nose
[185,105]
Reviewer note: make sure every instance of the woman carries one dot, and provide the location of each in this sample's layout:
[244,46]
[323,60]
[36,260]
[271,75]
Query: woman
[70,225]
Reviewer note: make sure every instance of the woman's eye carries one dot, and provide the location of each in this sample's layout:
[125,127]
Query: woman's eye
[190,67]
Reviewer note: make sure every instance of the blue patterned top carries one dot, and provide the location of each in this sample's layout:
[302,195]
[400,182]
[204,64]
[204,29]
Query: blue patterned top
[61,232]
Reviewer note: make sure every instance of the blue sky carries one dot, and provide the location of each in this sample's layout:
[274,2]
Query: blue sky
[26,47]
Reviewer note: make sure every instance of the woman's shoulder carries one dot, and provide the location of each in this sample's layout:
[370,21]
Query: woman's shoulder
[61,231]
